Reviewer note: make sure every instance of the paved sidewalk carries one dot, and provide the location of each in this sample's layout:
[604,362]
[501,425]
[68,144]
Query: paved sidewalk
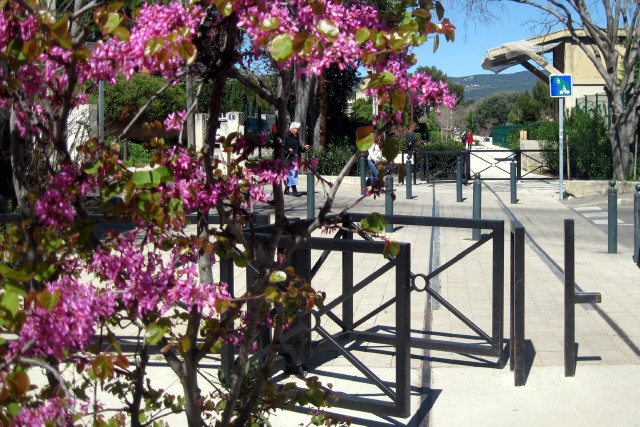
[454,390]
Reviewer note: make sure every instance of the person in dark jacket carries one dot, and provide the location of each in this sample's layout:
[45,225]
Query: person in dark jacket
[292,150]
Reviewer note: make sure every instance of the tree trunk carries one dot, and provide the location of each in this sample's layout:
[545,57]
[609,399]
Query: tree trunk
[304,96]
[621,135]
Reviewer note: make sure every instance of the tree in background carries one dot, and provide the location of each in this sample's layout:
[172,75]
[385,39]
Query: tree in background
[612,29]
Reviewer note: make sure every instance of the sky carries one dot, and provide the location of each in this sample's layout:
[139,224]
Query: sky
[464,56]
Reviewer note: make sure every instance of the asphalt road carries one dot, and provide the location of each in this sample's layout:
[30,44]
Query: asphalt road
[596,210]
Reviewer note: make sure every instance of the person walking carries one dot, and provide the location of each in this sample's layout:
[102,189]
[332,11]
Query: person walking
[375,157]
[292,150]
[469,139]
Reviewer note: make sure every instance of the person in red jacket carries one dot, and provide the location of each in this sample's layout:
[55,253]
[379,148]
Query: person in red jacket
[469,139]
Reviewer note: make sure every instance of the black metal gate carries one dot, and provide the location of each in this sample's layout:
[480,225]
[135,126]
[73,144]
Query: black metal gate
[441,165]
[301,346]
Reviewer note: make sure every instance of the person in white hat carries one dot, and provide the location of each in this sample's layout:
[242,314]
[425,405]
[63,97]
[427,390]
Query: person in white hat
[292,150]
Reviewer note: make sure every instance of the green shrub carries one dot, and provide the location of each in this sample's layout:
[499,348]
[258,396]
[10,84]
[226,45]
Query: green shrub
[588,148]
[137,154]
[513,140]
[334,157]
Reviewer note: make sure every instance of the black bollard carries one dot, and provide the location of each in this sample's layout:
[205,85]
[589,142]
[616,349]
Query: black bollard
[363,175]
[636,225]
[408,179]
[311,195]
[388,200]
[477,204]
[459,179]
[514,189]
[612,219]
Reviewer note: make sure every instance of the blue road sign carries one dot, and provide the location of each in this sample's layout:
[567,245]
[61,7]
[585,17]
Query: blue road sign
[560,85]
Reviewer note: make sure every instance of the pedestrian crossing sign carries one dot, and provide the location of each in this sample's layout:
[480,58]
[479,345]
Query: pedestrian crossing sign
[560,85]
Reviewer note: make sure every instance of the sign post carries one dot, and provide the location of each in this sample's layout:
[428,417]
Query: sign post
[561,87]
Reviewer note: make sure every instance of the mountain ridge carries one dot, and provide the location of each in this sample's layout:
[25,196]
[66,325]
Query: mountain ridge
[478,86]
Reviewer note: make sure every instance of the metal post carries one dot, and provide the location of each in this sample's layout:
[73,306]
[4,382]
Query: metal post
[363,175]
[561,146]
[517,342]
[514,189]
[636,225]
[477,202]
[459,178]
[388,201]
[569,301]
[408,179]
[311,195]
[612,220]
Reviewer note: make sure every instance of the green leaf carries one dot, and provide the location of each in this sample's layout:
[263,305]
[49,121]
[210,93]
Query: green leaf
[152,46]
[155,333]
[11,274]
[122,33]
[101,368]
[390,148]
[391,248]
[184,344]
[422,13]
[187,51]
[277,277]
[362,35]
[373,223]
[282,47]
[377,80]
[439,10]
[399,100]
[48,300]
[329,29]
[151,178]
[60,33]
[113,21]
[436,42]
[115,6]
[93,169]
[18,383]
[365,137]
[270,23]
[14,409]
[271,293]
[10,302]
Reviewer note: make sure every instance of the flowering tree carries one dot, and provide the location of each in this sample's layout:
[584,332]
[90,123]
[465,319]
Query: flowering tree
[68,291]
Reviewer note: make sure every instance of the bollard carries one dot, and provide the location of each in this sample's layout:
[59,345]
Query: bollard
[477,205]
[408,179]
[459,179]
[612,220]
[636,225]
[311,195]
[363,175]
[514,189]
[388,200]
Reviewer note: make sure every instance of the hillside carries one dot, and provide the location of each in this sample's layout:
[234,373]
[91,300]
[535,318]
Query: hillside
[479,86]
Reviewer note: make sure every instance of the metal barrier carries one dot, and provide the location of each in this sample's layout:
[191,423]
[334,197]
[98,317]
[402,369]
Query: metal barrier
[508,156]
[571,298]
[516,342]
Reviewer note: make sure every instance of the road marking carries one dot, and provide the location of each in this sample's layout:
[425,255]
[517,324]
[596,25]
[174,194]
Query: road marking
[605,221]
[594,214]
[587,208]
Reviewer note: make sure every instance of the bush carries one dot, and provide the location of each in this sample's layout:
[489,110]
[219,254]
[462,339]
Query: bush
[138,155]
[513,140]
[334,157]
[587,148]
[587,145]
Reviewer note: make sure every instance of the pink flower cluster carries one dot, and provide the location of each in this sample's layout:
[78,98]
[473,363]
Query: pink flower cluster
[50,412]
[71,323]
